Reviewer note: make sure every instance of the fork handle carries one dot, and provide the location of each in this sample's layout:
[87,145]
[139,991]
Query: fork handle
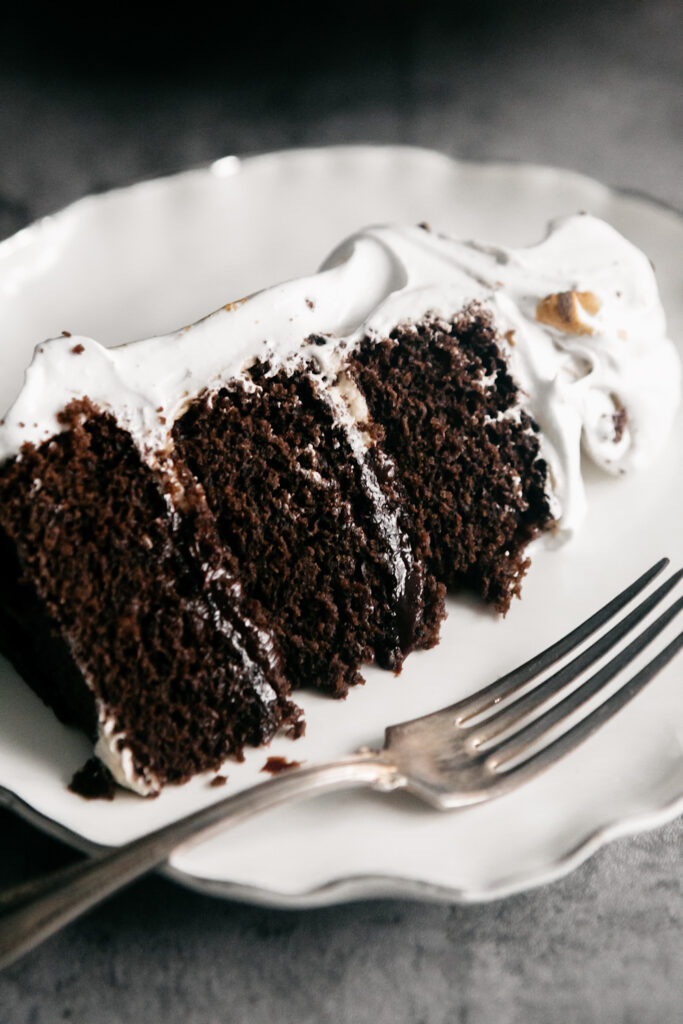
[32,911]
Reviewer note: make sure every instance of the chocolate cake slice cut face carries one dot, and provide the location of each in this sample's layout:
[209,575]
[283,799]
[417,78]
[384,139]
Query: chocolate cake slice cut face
[467,452]
[311,511]
[121,607]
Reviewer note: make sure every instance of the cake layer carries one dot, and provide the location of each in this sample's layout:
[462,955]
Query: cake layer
[468,455]
[124,612]
[318,532]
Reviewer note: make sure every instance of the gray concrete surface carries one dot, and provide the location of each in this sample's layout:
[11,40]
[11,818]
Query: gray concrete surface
[593,87]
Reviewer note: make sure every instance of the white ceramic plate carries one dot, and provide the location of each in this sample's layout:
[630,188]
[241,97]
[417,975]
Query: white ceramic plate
[145,259]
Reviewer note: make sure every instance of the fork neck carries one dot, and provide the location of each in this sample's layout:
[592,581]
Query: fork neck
[373,769]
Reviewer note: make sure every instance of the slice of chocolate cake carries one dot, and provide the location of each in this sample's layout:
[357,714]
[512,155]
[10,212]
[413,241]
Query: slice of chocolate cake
[194,525]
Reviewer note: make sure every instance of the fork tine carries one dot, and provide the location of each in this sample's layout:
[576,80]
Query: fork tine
[547,688]
[575,736]
[508,684]
[516,745]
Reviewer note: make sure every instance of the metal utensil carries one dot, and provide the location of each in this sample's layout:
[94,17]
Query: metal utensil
[475,750]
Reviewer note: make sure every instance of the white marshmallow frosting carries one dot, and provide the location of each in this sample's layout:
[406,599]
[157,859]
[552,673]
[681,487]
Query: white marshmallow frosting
[572,384]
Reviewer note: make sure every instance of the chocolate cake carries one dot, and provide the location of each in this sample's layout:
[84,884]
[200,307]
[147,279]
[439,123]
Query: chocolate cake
[193,526]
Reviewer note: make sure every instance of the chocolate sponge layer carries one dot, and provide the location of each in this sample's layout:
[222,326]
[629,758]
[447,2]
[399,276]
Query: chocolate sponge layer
[467,457]
[319,533]
[114,598]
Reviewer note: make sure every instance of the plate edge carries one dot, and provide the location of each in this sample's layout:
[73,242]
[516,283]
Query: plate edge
[353,888]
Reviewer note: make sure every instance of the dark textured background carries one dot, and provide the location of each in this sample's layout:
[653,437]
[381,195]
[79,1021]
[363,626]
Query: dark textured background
[594,87]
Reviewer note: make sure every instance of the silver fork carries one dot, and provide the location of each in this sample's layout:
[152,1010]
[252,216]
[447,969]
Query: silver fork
[475,750]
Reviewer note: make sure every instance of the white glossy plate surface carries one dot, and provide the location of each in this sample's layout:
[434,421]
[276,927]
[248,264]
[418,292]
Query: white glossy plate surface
[146,259]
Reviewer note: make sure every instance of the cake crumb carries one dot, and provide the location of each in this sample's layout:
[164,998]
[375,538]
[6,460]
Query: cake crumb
[218,780]
[310,303]
[275,765]
[93,781]
[619,419]
[77,349]
[297,729]
[66,334]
